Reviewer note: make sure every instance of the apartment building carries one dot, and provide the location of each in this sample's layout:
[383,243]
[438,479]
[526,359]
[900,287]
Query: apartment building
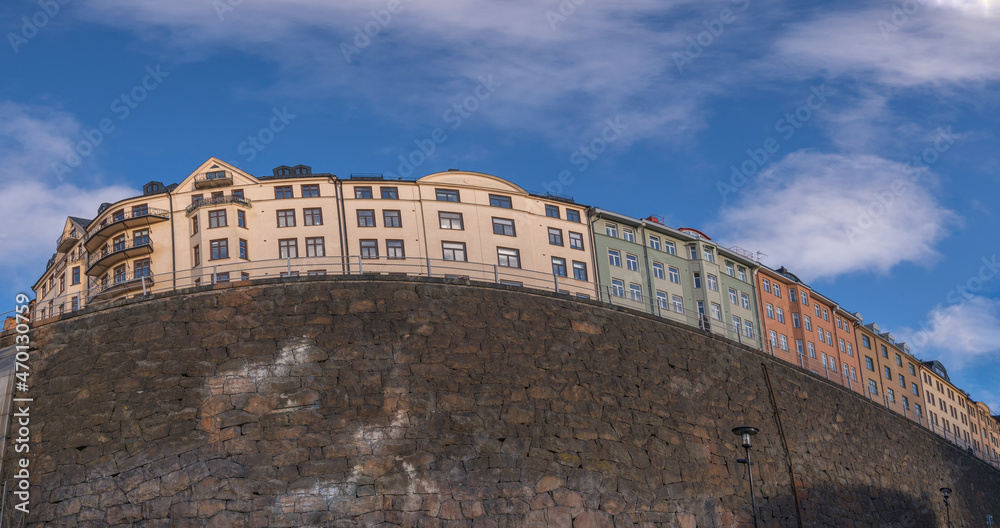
[985,432]
[891,374]
[223,224]
[803,327]
[948,407]
[680,274]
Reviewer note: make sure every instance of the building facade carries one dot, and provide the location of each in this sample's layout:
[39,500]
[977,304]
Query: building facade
[891,374]
[680,274]
[221,224]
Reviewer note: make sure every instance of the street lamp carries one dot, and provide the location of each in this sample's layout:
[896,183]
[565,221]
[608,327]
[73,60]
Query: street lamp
[947,509]
[989,520]
[746,433]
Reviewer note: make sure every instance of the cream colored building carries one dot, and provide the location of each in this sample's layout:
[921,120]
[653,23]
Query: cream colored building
[221,224]
[948,407]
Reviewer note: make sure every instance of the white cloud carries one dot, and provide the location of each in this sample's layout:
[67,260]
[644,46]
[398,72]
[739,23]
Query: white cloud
[35,204]
[959,334]
[813,213]
[937,43]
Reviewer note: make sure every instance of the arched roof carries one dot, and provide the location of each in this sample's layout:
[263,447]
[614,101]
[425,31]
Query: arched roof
[473,179]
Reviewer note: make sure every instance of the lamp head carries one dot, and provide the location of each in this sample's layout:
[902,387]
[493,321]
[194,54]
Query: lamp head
[946,492]
[746,433]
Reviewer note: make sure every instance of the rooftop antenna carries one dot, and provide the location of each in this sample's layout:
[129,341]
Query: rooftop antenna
[761,256]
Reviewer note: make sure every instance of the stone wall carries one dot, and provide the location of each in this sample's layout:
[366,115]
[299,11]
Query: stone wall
[380,402]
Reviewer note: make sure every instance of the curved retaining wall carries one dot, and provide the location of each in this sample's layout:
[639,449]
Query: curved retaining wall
[379,402]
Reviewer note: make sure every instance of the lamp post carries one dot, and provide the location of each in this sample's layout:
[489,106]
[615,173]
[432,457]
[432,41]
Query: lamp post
[947,509]
[746,433]
[989,520]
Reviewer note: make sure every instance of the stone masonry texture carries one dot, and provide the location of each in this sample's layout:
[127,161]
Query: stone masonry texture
[384,401]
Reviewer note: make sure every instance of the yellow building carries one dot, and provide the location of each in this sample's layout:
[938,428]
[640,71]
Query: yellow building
[891,374]
[221,224]
[948,407]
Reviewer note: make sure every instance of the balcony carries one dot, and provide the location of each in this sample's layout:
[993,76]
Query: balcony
[211,180]
[108,256]
[65,242]
[128,219]
[122,286]
[219,200]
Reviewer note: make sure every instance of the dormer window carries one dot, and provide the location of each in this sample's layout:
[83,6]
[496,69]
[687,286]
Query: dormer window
[284,172]
[300,171]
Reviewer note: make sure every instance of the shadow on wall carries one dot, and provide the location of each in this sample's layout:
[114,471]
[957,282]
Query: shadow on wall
[868,507]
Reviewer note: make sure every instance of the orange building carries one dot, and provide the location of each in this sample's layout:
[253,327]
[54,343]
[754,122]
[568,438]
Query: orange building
[803,327]
[891,375]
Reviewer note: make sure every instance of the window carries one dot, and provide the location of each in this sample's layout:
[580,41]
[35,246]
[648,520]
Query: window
[315,247]
[120,273]
[678,303]
[559,266]
[579,270]
[118,245]
[283,192]
[791,295]
[573,215]
[503,226]
[140,237]
[850,350]
[829,339]
[632,262]
[841,343]
[899,360]
[774,338]
[816,309]
[288,248]
[781,315]
[635,291]
[654,242]
[693,251]
[508,257]
[891,395]
[770,310]
[902,381]
[916,408]
[446,195]
[286,217]
[809,324]
[826,314]
[76,304]
[453,251]
[675,275]
[219,249]
[866,342]
[196,254]
[394,249]
[142,268]
[221,278]
[389,193]
[611,230]
[784,342]
[366,218]
[615,257]
[742,272]
[766,285]
[391,218]
[795,320]
[661,300]
[713,282]
[369,249]
[812,349]
[238,194]
[777,290]
[217,219]
[913,371]
[669,247]
[745,301]
[906,402]
[628,234]
[500,201]
[697,279]
[914,389]
[241,218]
[798,347]
[885,351]
[310,191]
[888,373]
[76,275]
[551,211]
[140,210]
[312,216]
[575,240]
[716,312]
[658,271]
[555,236]
[872,387]
[194,224]
[617,287]
[451,220]
[709,254]
[730,270]
[854,374]
[748,329]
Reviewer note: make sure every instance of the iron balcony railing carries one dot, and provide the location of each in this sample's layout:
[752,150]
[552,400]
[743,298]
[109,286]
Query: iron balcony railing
[218,200]
[127,215]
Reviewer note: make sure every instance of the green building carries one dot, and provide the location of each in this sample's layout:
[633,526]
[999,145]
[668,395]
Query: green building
[678,274]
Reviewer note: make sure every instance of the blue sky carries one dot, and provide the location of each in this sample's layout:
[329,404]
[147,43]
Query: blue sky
[853,142]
